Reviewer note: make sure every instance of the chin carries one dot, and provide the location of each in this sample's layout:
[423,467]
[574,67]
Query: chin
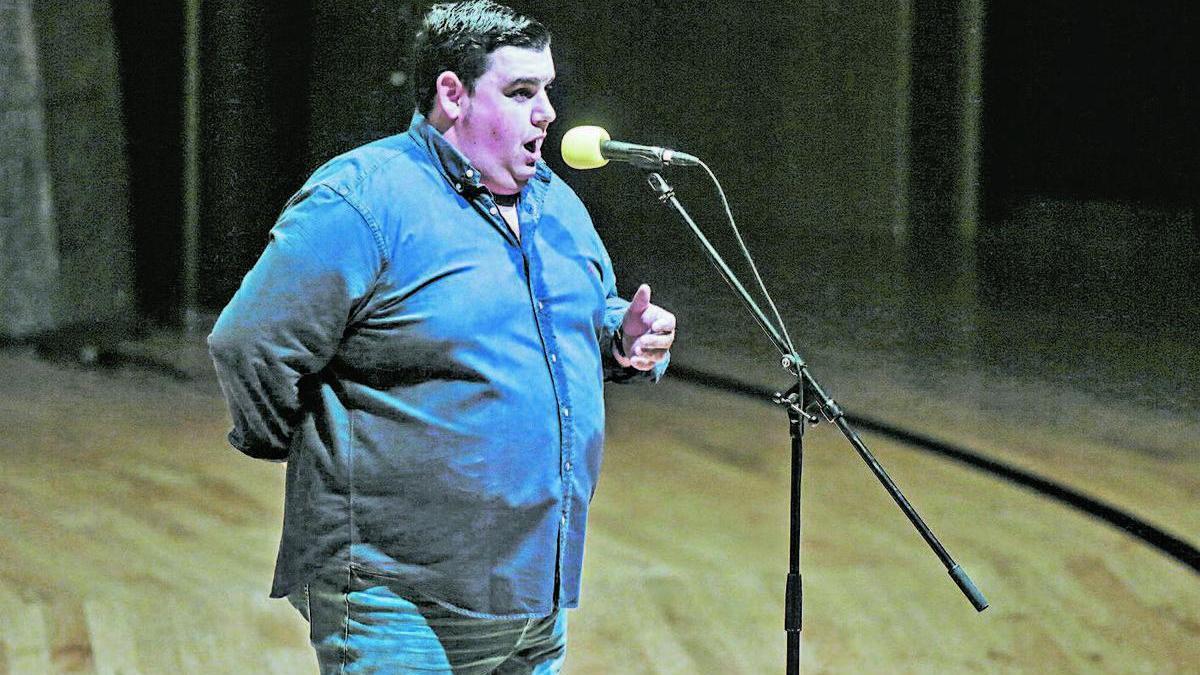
[515,184]
[523,174]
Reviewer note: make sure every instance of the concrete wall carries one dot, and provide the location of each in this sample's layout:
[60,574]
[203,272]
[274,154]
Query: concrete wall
[28,241]
[64,231]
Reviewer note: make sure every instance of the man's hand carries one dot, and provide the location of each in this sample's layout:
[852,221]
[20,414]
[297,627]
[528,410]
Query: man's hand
[647,333]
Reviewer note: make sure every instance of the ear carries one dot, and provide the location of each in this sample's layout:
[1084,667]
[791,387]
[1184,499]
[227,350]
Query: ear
[451,95]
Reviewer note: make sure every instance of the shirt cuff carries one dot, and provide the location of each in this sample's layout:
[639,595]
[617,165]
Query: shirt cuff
[264,452]
[613,372]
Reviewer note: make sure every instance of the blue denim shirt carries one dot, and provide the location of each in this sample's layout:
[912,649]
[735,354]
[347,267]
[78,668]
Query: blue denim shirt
[434,383]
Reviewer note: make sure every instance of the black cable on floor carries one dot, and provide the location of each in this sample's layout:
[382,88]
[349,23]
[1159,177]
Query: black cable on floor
[1173,546]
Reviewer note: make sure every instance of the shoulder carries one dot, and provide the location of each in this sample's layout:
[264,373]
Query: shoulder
[380,181]
[334,200]
[360,170]
[562,198]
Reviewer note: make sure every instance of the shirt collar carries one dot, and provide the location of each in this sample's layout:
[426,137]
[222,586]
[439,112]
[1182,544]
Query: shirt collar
[456,168]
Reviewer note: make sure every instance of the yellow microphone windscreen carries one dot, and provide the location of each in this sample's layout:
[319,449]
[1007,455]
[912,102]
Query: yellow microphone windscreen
[581,147]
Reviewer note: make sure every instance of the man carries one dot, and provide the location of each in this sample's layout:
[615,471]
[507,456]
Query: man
[424,341]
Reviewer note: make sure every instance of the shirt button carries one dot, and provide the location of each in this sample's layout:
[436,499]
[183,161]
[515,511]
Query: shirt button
[567,466]
[554,358]
[470,173]
[564,519]
[540,305]
[458,186]
[494,211]
[566,411]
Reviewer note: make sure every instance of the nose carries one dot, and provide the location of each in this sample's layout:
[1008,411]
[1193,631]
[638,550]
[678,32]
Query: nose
[543,112]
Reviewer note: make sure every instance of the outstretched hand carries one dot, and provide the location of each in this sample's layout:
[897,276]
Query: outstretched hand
[648,331]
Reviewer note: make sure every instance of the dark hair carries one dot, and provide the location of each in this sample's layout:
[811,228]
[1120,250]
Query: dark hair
[459,37]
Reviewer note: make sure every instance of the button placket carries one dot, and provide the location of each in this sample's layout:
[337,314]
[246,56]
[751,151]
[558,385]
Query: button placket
[543,316]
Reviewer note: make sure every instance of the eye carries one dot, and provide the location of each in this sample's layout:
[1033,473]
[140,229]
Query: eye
[523,92]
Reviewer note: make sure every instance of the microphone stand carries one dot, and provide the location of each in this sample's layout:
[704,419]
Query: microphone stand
[803,401]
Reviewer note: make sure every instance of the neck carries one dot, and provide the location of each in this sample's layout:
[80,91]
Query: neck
[440,121]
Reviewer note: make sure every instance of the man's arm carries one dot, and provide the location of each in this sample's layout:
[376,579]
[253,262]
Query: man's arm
[288,317]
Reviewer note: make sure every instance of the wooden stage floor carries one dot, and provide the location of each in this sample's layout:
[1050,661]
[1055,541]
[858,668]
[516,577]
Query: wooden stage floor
[132,540]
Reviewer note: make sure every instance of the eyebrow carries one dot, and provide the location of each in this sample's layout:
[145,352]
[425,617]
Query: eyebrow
[530,81]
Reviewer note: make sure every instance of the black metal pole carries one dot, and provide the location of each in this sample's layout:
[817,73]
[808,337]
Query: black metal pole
[794,601]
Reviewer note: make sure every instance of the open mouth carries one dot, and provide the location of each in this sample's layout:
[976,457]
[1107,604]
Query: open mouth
[534,149]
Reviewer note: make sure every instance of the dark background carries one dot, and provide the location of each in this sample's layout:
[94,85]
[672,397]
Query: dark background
[1037,220]
[1092,102]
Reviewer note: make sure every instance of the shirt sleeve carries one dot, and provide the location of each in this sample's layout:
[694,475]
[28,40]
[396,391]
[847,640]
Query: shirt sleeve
[287,319]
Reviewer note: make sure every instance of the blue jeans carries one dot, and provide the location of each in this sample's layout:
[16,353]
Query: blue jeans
[366,626]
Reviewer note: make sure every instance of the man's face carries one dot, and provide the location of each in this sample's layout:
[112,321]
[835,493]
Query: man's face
[503,122]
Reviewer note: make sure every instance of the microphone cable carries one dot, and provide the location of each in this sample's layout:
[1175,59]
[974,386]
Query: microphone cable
[749,259]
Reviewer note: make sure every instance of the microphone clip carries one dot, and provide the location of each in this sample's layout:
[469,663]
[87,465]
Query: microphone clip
[660,186]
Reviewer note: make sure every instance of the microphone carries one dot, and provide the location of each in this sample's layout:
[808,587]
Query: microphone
[589,147]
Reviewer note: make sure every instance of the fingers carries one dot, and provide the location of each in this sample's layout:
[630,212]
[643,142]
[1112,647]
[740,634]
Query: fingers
[647,358]
[649,349]
[659,320]
[652,342]
[640,301]
[643,362]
